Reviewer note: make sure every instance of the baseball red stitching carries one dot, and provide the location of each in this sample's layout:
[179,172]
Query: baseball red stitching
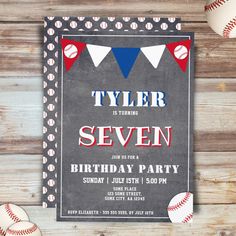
[2,232]
[229,27]
[23,231]
[11,214]
[187,218]
[179,204]
[212,6]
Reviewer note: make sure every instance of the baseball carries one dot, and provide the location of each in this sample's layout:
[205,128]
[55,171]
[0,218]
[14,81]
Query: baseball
[51,31]
[51,77]
[111,18]
[149,26]
[103,25]
[134,25]
[51,92]
[65,18]
[141,19]
[51,198]
[58,24]
[88,25]
[180,208]
[51,137]
[45,130]
[24,228]
[51,62]
[73,24]
[70,51]
[51,152]
[171,19]
[10,214]
[181,52]
[178,26]
[156,19]
[51,122]
[96,18]
[118,25]
[51,167]
[126,19]
[221,16]
[164,26]
[51,182]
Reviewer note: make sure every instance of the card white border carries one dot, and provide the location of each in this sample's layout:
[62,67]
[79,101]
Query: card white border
[189,102]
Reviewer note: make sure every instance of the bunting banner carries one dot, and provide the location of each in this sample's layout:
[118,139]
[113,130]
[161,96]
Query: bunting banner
[180,52]
[126,57]
[71,51]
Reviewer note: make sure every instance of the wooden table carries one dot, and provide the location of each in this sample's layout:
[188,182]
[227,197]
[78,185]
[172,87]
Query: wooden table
[21,115]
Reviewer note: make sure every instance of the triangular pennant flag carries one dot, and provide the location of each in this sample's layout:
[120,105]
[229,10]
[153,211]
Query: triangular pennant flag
[180,52]
[154,54]
[125,57]
[97,53]
[71,51]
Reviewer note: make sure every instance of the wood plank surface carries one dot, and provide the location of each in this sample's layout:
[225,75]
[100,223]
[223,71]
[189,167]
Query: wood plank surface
[21,27]
[34,10]
[217,220]
[21,51]
[215,178]
[21,115]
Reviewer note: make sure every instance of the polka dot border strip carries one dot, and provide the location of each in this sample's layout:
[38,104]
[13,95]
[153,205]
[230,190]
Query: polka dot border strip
[53,25]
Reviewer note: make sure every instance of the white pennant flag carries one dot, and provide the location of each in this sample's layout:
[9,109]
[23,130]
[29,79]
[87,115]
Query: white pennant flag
[154,54]
[97,53]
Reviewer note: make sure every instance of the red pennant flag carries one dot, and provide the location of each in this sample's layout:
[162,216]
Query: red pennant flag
[180,52]
[71,51]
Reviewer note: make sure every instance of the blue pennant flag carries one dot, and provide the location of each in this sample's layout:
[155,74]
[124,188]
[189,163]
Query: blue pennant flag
[125,57]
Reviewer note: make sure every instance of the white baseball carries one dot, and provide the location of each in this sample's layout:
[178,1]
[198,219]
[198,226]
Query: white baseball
[58,24]
[51,137]
[51,182]
[178,26]
[134,25]
[180,208]
[88,25]
[10,214]
[126,19]
[45,84]
[51,122]
[44,146]
[23,228]
[45,69]
[118,25]
[51,152]
[103,25]
[149,26]
[66,18]
[51,92]
[70,51]
[51,77]
[111,18]
[51,31]
[181,52]
[51,198]
[156,19]
[164,26]
[96,18]
[81,18]
[171,19]
[73,24]
[141,19]
[221,16]
[51,167]
[50,62]
[45,130]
